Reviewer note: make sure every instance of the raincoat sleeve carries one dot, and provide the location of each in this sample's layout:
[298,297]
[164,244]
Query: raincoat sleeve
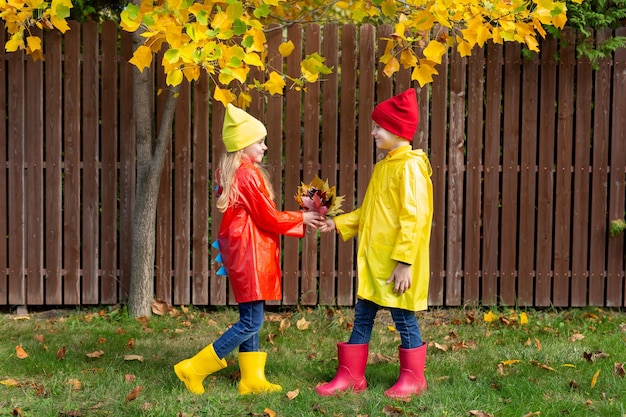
[263,210]
[347,225]
[415,212]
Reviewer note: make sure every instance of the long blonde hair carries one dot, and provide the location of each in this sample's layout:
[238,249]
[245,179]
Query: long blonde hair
[229,163]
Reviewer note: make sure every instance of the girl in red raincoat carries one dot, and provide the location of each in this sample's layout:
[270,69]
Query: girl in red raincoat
[249,246]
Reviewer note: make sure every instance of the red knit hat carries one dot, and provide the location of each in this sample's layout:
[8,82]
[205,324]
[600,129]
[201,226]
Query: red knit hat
[399,114]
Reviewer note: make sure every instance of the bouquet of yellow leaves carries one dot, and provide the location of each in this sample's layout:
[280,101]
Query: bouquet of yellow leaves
[319,196]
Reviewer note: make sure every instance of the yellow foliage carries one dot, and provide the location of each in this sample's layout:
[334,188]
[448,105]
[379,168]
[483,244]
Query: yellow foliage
[228,38]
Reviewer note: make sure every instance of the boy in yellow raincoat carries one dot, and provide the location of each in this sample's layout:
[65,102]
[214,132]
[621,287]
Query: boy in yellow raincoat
[393,228]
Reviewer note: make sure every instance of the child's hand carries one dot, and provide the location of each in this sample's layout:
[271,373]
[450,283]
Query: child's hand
[328,225]
[311,218]
[401,277]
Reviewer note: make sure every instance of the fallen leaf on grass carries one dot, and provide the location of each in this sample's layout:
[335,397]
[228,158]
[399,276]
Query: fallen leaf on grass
[160,307]
[269,412]
[480,413]
[284,325]
[510,362]
[594,379]
[490,317]
[391,329]
[576,337]
[542,366]
[443,348]
[293,394]
[133,358]
[61,353]
[102,340]
[18,412]
[618,369]
[129,378]
[95,355]
[533,414]
[75,384]
[378,357]
[10,383]
[134,393]
[39,338]
[131,343]
[20,352]
[391,411]
[303,324]
[20,317]
[592,356]
[523,319]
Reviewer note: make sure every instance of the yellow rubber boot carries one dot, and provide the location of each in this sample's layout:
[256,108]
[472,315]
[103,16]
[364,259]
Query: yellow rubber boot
[192,371]
[252,367]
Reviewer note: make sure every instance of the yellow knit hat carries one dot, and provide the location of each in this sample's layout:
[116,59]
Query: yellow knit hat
[240,129]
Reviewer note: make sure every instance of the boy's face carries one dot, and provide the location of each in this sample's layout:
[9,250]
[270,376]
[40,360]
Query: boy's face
[256,151]
[386,140]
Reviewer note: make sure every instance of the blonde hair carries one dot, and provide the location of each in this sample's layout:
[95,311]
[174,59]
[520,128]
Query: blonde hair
[229,163]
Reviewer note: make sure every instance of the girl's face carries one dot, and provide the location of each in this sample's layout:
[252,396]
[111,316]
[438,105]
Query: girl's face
[256,151]
[384,139]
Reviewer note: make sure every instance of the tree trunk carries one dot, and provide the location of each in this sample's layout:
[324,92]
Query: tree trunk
[150,160]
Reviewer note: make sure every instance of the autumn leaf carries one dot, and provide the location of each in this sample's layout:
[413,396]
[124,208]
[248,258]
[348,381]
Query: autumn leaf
[286,48]
[284,325]
[594,379]
[96,354]
[490,317]
[10,383]
[269,412]
[618,369]
[61,353]
[275,84]
[478,413]
[75,384]
[20,352]
[576,337]
[523,319]
[39,338]
[443,348]
[303,324]
[129,378]
[510,362]
[542,365]
[391,329]
[133,358]
[134,393]
[293,394]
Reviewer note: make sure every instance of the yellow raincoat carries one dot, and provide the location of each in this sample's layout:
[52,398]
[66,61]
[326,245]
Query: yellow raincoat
[393,225]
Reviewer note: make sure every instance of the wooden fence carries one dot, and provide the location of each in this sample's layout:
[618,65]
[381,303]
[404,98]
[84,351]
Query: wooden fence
[528,155]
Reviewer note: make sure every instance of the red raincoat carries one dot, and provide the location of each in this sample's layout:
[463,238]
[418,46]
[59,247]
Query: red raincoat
[249,238]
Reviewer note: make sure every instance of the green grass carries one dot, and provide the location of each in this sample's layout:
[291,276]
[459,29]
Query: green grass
[463,370]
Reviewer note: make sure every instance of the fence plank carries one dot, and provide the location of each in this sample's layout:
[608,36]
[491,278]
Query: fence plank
[4,207]
[53,169]
[127,164]
[510,173]
[90,180]
[218,284]
[16,220]
[71,177]
[201,186]
[34,140]
[310,168]
[580,214]
[329,152]
[347,164]
[473,172]
[274,121]
[545,188]
[108,168]
[563,185]
[182,195]
[599,178]
[367,80]
[455,183]
[438,128]
[491,176]
[615,286]
[293,124]
[528,182]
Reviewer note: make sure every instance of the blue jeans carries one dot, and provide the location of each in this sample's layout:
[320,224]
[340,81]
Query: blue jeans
[244,333]
[405,320]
